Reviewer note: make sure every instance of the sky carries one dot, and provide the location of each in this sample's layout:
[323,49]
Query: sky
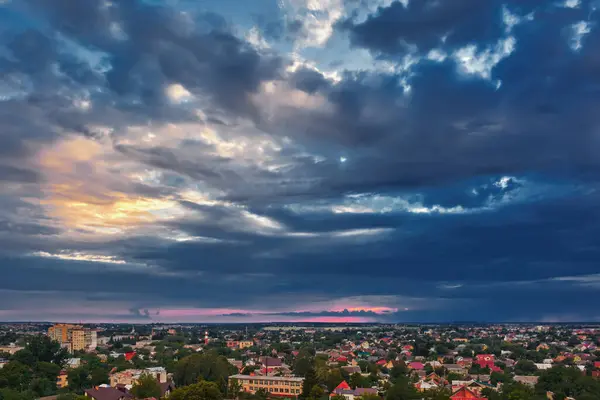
[299,160]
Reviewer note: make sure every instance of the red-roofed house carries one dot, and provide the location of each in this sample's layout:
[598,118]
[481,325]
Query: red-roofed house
[465,394]
[343,389]
[416,365]
[485,360]
[129,355]
[342,386]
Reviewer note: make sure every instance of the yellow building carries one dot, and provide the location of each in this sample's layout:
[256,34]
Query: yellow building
[78,339]
[62,332]
[61,380]
[73,337]
[244,344]
[275,385]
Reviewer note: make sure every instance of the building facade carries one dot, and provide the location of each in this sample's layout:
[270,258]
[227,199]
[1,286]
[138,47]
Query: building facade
[131,376]
[274,385]
[73,337]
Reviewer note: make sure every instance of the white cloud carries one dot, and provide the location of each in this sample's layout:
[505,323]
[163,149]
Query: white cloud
[481,63]
[177,93]
[255,38]
[79,256]
[377,204]
[580,29]
[572,3]
[317,18]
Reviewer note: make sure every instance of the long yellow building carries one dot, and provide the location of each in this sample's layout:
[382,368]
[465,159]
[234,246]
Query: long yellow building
[275,385]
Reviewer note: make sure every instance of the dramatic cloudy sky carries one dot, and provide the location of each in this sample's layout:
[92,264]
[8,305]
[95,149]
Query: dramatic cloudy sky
[287,160]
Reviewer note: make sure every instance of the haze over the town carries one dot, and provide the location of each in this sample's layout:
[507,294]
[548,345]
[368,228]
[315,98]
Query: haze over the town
[299,160]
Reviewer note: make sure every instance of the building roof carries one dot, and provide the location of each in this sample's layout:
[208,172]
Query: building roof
[270,378]
[107,393]
[342,386]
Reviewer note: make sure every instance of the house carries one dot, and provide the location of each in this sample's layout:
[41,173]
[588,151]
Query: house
[131,376]
[107,393]
[473,385]
[73,362]
[464,393]
[464,362]
[416,366]
[424,385]
[485,360]
[355,369]
[526,380]
[61,380]
[456,369]
[343,389]
[129,355]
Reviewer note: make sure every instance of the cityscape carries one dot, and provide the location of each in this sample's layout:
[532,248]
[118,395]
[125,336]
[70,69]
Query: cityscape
[299,199]
[334,361]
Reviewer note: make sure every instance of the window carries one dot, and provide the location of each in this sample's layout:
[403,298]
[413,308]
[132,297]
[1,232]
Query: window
[287,390]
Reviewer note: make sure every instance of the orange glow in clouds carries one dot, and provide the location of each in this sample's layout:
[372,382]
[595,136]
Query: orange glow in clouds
[80,193]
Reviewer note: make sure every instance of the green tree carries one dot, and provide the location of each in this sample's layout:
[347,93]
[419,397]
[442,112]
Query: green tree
[79,379]
[302,365]
[10,394]
[334,378]
[402,389]
[310,380]
[525,367]
[202,390]
[43,386]
[47,370]
[369,396]
[45,349]
[98,376]
[316,392]
[234,388]
[15,375]
[147,386]
[358,381]
[209,366]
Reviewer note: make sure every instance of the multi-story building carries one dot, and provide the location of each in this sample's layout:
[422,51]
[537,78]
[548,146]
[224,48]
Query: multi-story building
[239,344]
[275,385]
[131,376]
[73,337]
[62,332]
[78,339]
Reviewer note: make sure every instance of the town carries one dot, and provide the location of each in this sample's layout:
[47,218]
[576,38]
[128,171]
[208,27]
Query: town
[310,362]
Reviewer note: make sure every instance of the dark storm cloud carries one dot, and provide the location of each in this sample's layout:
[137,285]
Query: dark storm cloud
[454,125]
[153,46]
[426,138]
[428,24]
[9,173]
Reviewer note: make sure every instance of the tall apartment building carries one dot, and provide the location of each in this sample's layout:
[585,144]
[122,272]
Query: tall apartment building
[73,337]
[275,385]
[62,332]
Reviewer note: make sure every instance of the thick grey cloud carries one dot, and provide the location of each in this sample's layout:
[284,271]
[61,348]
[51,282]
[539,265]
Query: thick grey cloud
[428,186]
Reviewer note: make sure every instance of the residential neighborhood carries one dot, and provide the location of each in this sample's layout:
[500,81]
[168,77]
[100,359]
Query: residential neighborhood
[341,362]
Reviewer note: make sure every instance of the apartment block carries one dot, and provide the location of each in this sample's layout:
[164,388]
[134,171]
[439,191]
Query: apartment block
[73,337]
[275,385]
